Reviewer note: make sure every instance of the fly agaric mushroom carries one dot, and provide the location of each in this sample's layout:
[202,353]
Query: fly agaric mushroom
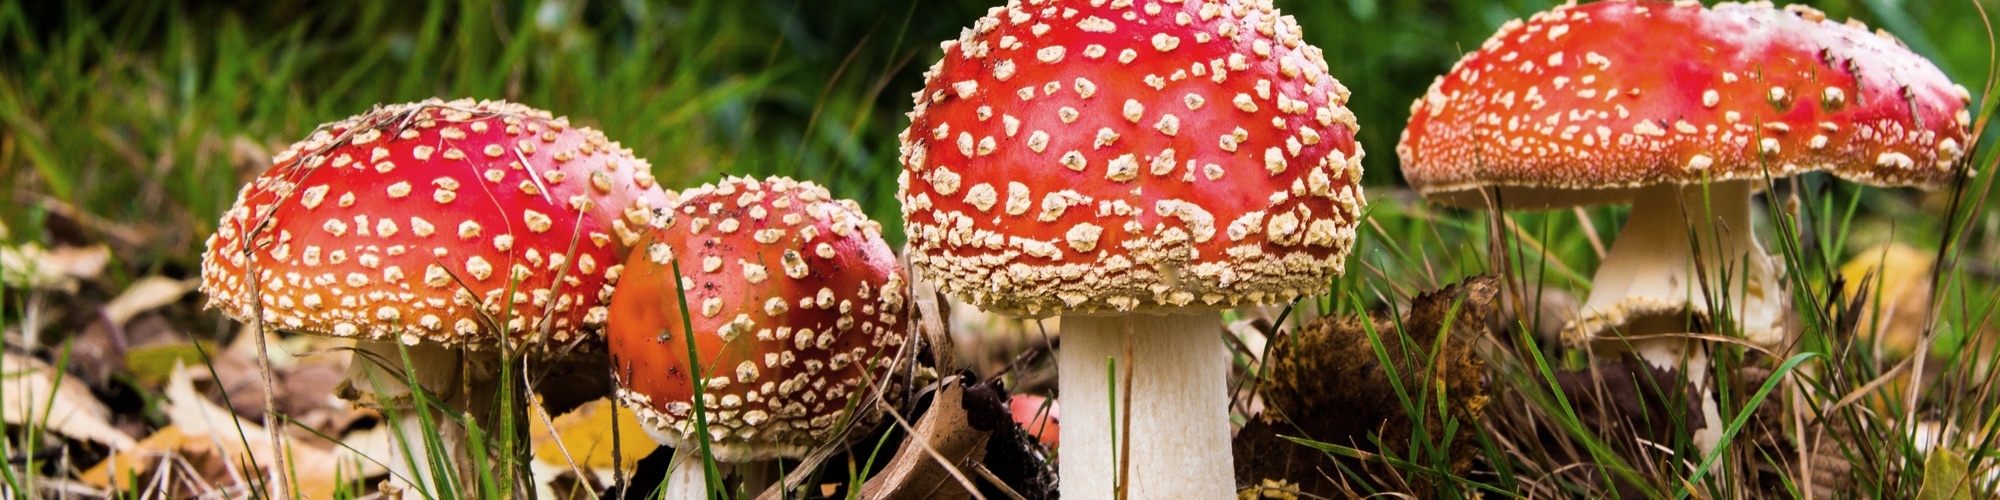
[1684,112]
[1134,167]
[797,306]
[457,229]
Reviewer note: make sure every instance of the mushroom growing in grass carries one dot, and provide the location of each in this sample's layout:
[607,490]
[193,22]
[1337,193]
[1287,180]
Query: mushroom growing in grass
[798,313]
[455,231]
[1135,167]
[1683,112]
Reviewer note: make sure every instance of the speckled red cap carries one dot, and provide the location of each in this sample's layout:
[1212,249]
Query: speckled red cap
[435,222]
[798,305]
[1580,102]
[1071,156]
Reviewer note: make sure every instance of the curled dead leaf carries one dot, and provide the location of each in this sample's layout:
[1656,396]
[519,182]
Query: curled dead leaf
[34,393]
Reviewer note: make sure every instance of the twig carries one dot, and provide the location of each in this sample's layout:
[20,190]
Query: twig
[995,480]
[277,435]
[1590,231]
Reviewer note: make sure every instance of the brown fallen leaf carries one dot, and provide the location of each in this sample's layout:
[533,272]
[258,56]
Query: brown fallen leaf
[967,438]
[932,461]
[221,449]
[1328,384]
[34,393]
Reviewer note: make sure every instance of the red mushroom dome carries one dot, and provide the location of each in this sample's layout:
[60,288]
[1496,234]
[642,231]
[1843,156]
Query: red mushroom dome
[1077,156]
[435,222]
[797,305]
[1584,102]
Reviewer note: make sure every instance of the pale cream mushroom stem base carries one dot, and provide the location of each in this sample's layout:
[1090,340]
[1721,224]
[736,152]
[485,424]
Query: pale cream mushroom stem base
[686,479]
[376,378]
[1179,405]
[1656,281]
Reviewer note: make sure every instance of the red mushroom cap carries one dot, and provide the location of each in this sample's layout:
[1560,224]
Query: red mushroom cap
[1040,416]
[798,305]
[1080,156]
[430,221]
[1621,94]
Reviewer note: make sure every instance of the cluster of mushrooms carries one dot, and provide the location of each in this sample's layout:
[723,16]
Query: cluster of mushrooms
[1133,166]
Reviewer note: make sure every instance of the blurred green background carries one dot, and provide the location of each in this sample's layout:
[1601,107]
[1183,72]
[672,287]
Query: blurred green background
[136,120]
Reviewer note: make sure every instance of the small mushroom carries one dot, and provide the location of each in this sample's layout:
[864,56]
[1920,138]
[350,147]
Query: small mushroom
[799,312]
[1039,416]
[1134,167]
[460,230]
[1684,112]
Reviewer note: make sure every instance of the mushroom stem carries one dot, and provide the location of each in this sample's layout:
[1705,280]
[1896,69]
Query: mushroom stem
[1179,422]
[688,478]
[1656,280]
[376,378]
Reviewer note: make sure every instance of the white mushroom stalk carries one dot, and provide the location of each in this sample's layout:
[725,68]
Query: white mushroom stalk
[1687,255]
[1177,397]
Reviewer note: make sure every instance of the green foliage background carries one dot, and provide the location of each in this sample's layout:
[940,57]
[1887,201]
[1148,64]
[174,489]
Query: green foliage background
[150,113]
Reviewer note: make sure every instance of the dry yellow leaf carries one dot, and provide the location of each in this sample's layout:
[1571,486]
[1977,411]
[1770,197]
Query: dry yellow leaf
[1894,308]
[586,434]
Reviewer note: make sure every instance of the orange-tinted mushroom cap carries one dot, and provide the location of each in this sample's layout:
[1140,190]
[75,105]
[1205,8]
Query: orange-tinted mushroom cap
[430,222]
[1076,156]
[797,305]
[1581,102]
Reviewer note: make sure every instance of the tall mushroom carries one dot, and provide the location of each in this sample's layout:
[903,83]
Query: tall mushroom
[1134,167]
[798,311]
[1683,112]
[457,229]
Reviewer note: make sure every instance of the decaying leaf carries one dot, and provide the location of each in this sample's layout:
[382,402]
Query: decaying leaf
[1893,307]
[219,449]
[151,366]
[1328,384]
[34,393]
[1945,477]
